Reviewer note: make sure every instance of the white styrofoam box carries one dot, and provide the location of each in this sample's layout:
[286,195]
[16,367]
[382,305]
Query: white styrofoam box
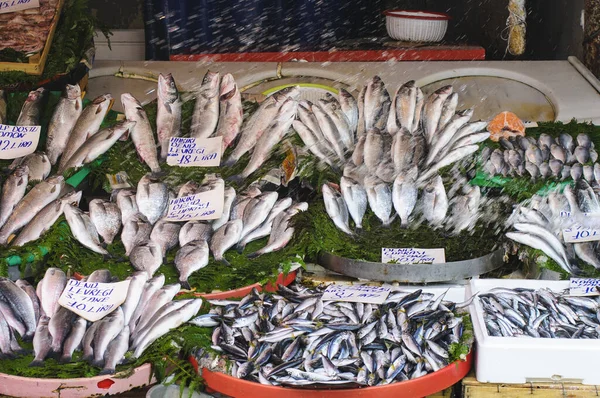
[527,359]
[416,25]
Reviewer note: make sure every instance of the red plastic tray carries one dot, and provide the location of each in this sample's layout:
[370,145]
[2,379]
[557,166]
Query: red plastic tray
[421,387]
[243,291]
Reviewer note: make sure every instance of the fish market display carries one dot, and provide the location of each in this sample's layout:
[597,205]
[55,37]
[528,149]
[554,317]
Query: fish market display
[27,30]
[63,120]
[539,313]
[558,158]
[541,221]
[32,108]
[56,331]
[294,338]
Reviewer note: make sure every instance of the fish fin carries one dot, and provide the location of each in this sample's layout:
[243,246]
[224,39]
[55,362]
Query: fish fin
[77,105]
[229,162]
[107,371]
[224,261]
[65,359]
[185,284]
[98,110]
[255,254]
[99,363]
[36,363]
[240,248]
[21,181]
[168,107]
[236,178]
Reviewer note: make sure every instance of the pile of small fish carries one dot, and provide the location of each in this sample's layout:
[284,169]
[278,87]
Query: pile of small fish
[148,313]
[295,338]
[27,30]
[539,313]
[544,158]
[540,221]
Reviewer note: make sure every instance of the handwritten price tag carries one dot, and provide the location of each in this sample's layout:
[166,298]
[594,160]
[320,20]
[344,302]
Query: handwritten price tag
[16,5]
[357,294]
[93,301]
[18,141]
[584,287]
[413,256]
[199,152]
[579,233]
[201,206]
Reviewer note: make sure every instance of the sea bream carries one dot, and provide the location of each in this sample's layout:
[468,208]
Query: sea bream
[350,108]
[86,126]
[224,238]
[152,197]
[206,109]
[142,135]
[190,258]
[379,195]
[106,217]
[377,104]
[231,113]
[31,111]
[195,229]
[146,256]
[168,113]
[63,120]
[125,199]
[13,190]
[356,199]
[136,229]
[165,234]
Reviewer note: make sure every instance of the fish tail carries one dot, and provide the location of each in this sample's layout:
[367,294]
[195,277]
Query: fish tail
[107,371]
[98,363]
[240,247]
[36,363]
[65,358]
[255,254]
[230,161]
[224,261]
[238,178]
[185,284]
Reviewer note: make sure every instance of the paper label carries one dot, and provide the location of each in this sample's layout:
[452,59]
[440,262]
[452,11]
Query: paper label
[16,5]
[201,206]
[584,287]
[578,233]
[412,256]
[18,141]
[199,152]
[357,293]
[93,301]
[119,180]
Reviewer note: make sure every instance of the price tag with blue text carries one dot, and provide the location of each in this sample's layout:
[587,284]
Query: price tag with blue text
[412,256]
[18,141]
[93,300]
[206,205]
[17,5]
[356,293]
[199,152]
[583,233]
[584,287]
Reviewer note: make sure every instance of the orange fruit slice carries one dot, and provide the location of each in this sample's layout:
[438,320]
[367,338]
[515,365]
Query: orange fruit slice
[505,124]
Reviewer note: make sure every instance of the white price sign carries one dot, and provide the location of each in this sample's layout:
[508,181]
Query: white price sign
[18,141]
[584,287]
[199,152]
[356,293]
[412,256]
[201,206]
[17,5]
[93,301]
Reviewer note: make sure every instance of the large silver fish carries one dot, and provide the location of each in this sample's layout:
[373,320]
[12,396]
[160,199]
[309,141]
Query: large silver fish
[336,208]
[161,297]
[332,107]
[406,104]
[379,195]
[31,112]
[435,201]
[60,326]
[224,238]
[190,258]
[330,131]
[137,283]
[63,120]
[135,230]
[142,135]
[50,288]
[146,256]
[377,104]
[27,288]
[206,109]
[356,199]
[106,217]
[404,195]
[127,204]
[83,229]
[42,342]
[257,211]
[165,234]
[109,328]
[37,163]
[13,190]
[193,230]
[152,197]
[231,113]
[432,111]
[115,353]
[374,149]
[74,340]
[350,108]
[150,288]
[17,308]
[265,228]
[168,113]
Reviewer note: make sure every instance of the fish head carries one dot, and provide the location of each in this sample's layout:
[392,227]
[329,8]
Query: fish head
[444,91]
[102,103]
[167,89]
[56,180]
[21,171]
[72,92]
[35,95]
[72,198]
[211,79]
[124,127]
[288,109]
[130,104]
[228,87]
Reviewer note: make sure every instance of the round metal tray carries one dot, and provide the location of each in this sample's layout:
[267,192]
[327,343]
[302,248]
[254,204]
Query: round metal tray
[412,273]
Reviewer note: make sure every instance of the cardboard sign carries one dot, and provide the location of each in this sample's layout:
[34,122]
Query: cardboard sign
[584,287]
[199,152]
[201,206]
[93,301]
[412,256]
[18,141]
[17,5]
[356,294]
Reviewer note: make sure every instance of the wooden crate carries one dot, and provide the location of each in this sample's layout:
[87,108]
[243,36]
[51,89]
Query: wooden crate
[473,389]
[37,62]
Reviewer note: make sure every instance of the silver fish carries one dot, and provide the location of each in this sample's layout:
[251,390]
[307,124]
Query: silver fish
[41,342]
[231,113]
[146,256]
[99,275]
[63,120]
[349,107]
[74,340]
[109,328]
[189,188]
[193,230]
[358,155]
[162,296]
[266,227]
[224,238]
[31,111]
[83,229]
[435,201]
[444,136]
[376,104]
[453,156]
[206,109]
[86,126]
[13,191]
[566,141]
[432,111]
[34,201]
[50,288]
[152,197]
[142,134]
[582,154]
[406,103]
[420,101]
[59,327]
[137,283]
[282,230]
[374,149]
[336,208]
[330,131]
[332,108]
[191,258]
[168,113]
[448,110]
[257,211]
[162,311]
[310,142]
[402,150]
[106,217]
[45,219]
[558,152]
[586,252]
[404,195]
[379,195]
[355,197]
[127,204]
[166,235]
[115,352]
[150,288]
[360,129]
[37,163]
[27,288]
[17,308]
[576,171]
[588,173]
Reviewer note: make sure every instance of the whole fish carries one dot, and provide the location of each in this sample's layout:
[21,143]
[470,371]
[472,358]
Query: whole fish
[161,297]
[74,340]
[432,111]
[420,101]
[97,145]
[37,163]
[448,110]
[435,201]
[166,235]
[27,288]
[539,243]
[453,156]
[206,109]
[86,126]
[60,326]
[127,204]
[110,327]
[115,353]
[50,288]
[168,112]
[274,134]
[152,197]
[282,231]
[257,211]
[404,195]
[31,112]
[231,113]
[444,136]
[150,288]
[379,195]
[374,149]
[17,308]
[162,311]
[406,103]
[566,141]
[106,217]
[13,190]
[190,258]
[307,116]
[331,106]
[87,344]
[193,230]
[311,143]
[229,198]
[3,105]
[135,230]
[356,199]
[360,129]
[336,208]
[83,229]
[586,252]
[34,201]
[141,135]
[402,150]
[45,219]
[224,238]
[63,120]
[265,228]
[41,342]
[99,275]
[166,323]
[376,104]
[136,287]
[146,256]
[330,131]
[350,108]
